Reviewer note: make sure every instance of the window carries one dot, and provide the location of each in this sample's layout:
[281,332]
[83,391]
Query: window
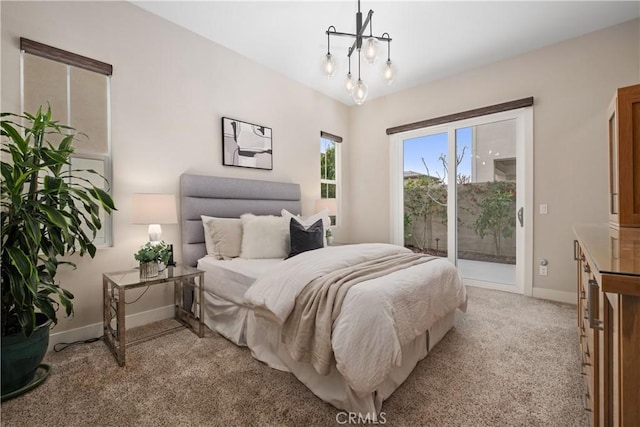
[78,90]
[329,173]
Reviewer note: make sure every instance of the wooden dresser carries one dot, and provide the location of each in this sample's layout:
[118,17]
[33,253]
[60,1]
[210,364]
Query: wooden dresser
[609,322]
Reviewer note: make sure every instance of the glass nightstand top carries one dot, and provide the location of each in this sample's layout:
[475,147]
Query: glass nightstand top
[130,278]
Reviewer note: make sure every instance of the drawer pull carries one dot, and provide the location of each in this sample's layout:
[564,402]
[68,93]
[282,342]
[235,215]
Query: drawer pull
[587,269]
[582,294]
[585,402]
[583,363]
[594,323]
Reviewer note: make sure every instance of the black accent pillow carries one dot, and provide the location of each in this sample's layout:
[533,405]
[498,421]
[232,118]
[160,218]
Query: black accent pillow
[305,239]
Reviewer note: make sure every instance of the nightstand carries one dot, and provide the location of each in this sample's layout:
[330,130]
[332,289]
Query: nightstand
[115,286]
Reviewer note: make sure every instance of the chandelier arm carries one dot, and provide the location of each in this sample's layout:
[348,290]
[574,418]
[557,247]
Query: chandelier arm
[365,23]
[388,46]
[382,38]
[329,32]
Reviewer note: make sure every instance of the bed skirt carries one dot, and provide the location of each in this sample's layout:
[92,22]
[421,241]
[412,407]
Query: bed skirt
[227,318]
[263,338]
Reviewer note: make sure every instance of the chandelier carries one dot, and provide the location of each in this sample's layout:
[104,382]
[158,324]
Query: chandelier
[365,45]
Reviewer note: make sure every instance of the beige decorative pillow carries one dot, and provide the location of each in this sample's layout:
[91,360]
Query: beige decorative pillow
[208,241]
[264,236]
[226,234]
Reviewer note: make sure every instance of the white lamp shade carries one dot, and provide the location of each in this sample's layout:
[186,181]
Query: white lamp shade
[329,204]
[389,72]
[370,49]
[349,83]
[154,209]
[360,92]
[329,66]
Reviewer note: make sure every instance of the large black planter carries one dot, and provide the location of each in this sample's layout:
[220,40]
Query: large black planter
[21,357]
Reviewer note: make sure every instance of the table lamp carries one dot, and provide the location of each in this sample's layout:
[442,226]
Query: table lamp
[154,209]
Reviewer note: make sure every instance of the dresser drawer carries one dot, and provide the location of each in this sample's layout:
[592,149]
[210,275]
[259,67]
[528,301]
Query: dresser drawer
[587,395]
[586,355]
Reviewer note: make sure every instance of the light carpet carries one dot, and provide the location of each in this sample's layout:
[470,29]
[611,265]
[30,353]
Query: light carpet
[510,361]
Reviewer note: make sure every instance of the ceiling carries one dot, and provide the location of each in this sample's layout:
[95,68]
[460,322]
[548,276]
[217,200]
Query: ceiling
[431,40]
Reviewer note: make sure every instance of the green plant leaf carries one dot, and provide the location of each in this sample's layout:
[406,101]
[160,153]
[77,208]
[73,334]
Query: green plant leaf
[46,306]
[54,216]
[20,261]
[104,197]
[27,320]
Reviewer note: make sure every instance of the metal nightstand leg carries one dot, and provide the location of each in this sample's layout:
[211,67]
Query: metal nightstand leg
[114,339]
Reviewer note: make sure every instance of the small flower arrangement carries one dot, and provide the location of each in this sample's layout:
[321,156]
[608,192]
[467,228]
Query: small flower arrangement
[153,252]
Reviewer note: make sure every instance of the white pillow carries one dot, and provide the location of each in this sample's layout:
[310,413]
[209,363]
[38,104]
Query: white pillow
[310,220]
[265,236]
[226,234]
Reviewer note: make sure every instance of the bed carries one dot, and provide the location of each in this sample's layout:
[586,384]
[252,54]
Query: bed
[252,301]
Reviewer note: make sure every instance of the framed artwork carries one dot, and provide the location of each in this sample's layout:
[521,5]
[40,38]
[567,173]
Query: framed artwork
[246,145]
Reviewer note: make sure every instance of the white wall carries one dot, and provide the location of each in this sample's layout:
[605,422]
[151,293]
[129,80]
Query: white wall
[572,83]
[169,89]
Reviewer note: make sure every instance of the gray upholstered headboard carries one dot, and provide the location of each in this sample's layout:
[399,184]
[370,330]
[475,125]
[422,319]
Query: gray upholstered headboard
[227,198]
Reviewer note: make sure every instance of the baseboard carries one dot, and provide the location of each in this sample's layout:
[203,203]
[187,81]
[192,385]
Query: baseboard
[491,285]
[541,293]
[553,295]
[96,329]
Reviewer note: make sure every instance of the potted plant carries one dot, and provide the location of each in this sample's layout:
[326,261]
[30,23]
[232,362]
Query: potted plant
[329,236]
[49,211]
[150,256]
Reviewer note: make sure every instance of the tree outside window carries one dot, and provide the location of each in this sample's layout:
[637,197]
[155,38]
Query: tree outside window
[328,179]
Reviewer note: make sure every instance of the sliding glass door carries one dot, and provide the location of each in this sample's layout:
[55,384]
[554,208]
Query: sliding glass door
[486,189]
[425,193]
[463,195]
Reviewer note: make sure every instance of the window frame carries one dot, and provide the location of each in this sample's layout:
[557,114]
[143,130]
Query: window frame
[336,140]
[70,59]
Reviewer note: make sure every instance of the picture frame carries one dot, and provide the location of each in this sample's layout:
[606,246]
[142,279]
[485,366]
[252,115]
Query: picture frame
[246,145]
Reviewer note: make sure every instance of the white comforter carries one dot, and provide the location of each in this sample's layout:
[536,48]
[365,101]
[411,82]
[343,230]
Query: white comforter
[378,316]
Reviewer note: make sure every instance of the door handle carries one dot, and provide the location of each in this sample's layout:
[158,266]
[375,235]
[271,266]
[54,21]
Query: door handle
[521,216]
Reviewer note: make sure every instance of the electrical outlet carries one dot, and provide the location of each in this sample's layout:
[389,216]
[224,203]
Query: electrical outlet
[543,270]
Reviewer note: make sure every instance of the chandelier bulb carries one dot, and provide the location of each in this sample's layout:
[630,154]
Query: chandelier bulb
[349,83]
[329,65]
[370,49]
[360,92]
[389,72]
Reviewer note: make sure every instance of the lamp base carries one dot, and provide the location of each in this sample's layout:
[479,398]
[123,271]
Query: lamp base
[171,262]
[155,232]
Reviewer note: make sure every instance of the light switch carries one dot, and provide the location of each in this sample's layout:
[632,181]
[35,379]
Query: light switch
[544,209]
